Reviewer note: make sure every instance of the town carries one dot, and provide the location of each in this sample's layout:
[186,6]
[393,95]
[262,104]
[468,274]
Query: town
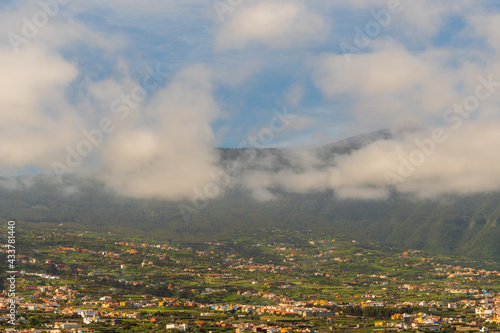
[260,281]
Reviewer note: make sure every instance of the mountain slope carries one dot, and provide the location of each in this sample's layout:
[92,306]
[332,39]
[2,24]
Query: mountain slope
[459,225]
[462,225]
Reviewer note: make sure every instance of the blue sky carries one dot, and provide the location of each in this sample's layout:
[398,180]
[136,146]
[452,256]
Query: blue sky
[185,33]
[225,74]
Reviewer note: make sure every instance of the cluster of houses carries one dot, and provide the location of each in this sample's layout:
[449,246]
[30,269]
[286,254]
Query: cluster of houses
[248,328]
[426,323]
[487,310]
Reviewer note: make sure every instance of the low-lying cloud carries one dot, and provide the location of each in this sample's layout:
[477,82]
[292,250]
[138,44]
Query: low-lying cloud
[461,161]
[73,100]
[168,151]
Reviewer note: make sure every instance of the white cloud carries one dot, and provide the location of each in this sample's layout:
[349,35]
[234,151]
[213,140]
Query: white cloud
[487,26]
[35,117]
[164,148]
[415,23]
[169,153]
[461,162]
[390,85]
[276,24]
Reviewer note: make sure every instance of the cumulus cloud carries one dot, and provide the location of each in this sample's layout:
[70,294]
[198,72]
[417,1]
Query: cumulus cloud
[415,22]
[53,108]
[486,26]
[276,24]
[390,85]
[168,153]
[35,116]
[459,161]
[164,146]
[39,116]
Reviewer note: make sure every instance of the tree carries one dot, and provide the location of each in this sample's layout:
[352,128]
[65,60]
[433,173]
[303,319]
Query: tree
[34,321]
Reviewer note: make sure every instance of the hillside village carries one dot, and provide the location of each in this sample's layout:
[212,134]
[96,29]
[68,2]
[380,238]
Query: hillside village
[298,283]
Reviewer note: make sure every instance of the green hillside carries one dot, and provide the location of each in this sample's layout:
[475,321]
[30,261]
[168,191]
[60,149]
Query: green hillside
[460,225]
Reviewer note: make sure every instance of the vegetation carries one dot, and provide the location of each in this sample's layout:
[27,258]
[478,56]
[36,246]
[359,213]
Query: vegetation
[453,225]
[236,278]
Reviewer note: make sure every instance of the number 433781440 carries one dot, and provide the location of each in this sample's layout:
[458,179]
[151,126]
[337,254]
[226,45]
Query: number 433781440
[12,232]
[11,249]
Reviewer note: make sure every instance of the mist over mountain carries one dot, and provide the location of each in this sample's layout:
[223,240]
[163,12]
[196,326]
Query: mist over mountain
[127,105]
[450,223]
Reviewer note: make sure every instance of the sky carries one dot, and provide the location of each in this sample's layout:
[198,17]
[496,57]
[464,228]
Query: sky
[138,95]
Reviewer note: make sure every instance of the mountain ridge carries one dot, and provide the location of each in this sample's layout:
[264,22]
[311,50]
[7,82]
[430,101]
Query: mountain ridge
[451,224]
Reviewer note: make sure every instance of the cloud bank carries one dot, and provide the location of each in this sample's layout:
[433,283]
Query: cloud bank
[140,101]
